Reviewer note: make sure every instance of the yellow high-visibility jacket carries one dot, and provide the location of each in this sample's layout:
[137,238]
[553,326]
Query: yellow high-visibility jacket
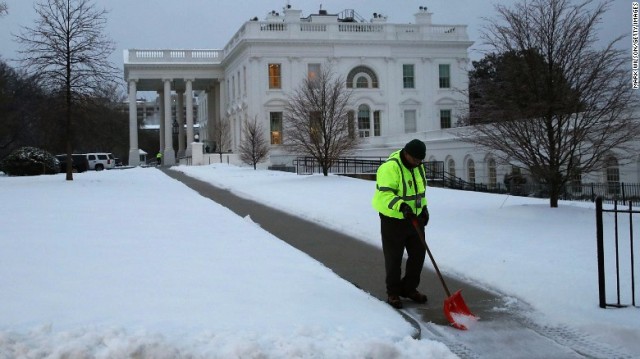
[396,184]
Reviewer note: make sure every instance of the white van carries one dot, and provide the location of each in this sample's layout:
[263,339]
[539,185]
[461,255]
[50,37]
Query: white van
[101,161]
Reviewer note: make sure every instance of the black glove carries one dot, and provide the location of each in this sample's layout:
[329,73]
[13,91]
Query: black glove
[407,212]
[424,216]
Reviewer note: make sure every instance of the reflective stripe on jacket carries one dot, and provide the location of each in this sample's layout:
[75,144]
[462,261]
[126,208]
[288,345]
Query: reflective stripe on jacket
[396,184]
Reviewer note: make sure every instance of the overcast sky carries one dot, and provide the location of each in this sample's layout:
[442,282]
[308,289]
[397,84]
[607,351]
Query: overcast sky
[209,24]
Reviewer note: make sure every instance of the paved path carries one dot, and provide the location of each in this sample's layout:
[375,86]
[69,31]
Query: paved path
[500,333]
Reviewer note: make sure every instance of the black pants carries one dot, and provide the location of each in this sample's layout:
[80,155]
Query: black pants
[398,235]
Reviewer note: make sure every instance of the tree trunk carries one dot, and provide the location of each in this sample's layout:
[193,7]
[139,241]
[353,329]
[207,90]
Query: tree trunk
[554,194]
[68,134]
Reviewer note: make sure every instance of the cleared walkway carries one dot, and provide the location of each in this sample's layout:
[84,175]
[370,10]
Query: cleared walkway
[500,334]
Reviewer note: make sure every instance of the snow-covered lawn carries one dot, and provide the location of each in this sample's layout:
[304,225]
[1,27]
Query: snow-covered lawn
[131,262]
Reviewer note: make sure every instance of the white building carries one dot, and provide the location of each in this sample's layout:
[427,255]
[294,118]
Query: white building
[406,81]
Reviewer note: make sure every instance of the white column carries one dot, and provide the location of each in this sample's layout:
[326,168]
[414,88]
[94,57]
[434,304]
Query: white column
[211,116]
[134,153]
[161,120]
[217,109]
[180,120]
[169,155]
[189,93]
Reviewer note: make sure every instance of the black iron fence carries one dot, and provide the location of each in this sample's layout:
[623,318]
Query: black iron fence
[361,165]
[622,266]
[437,176]
[342,165]
[609,192]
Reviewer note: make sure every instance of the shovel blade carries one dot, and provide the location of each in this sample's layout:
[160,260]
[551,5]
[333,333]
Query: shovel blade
[457,312]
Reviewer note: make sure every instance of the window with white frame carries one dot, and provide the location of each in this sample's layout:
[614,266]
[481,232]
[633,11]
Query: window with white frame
[445,119]
[408,78]
[576,182]
[362,82]
[364,121]
[315,133]
[613,171]
[275,119]
[444,75]
[493,173]
[410,123]
[613,175]
[376,123]
[471,171]
[313,71]
[275,79]
[451,167]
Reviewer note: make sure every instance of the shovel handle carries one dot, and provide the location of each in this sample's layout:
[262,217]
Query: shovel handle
[414,221]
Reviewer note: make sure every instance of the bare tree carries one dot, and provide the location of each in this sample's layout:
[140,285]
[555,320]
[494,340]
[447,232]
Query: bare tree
[254,147]
[221,136]
[3,8]
[549,100]
[316,120]
[68,51]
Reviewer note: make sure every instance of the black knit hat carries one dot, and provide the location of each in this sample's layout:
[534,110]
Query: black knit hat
[416,149]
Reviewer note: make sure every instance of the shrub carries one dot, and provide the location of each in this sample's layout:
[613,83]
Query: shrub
[30,161]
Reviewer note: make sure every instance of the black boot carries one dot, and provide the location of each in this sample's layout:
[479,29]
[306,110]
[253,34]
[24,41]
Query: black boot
[416,296]
[394,301]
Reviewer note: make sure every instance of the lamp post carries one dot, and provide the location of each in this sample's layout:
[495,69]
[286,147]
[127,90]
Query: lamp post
[175,131]
[175,127]
[196,138]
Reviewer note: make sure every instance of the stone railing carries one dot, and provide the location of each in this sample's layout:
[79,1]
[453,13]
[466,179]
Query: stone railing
[345,31]
[133,56]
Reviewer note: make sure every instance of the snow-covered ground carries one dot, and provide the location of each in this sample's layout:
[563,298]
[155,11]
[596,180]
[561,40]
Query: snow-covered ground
[134,264]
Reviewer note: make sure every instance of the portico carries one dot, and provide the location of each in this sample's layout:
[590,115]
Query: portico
[166,72]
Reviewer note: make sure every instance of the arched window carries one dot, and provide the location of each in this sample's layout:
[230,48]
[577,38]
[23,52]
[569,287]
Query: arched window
[613,175]
[493,174]
[362,82]
[471,171]
[362,77]
[364,121]
[451,167]
[613,171]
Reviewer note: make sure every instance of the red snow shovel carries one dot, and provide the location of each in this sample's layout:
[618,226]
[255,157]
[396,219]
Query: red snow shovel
[455,309]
